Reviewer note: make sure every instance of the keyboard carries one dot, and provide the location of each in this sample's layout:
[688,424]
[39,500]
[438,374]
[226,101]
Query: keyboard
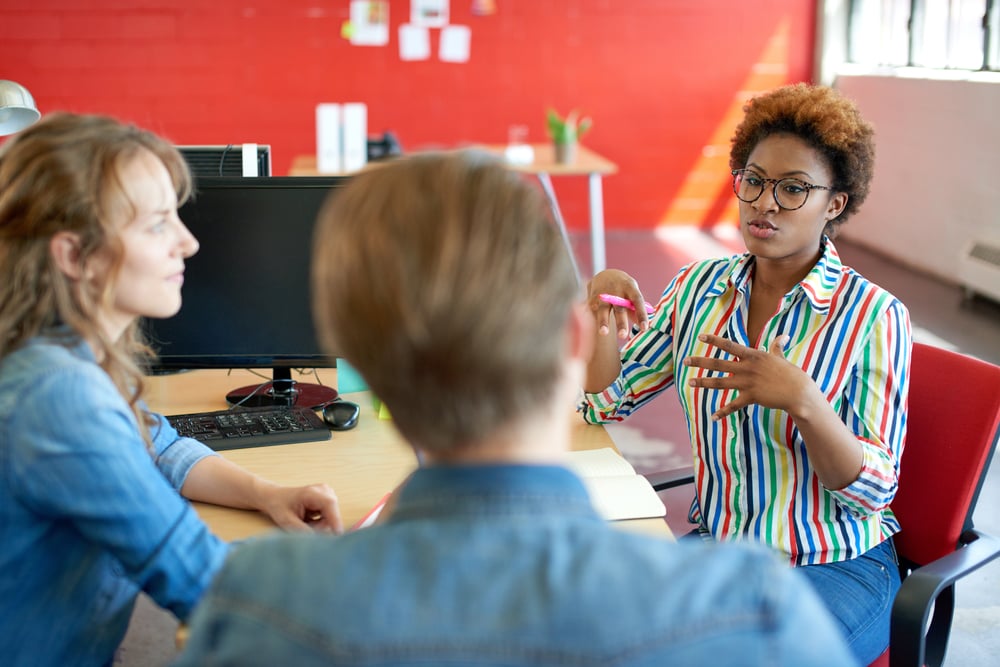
[252,427]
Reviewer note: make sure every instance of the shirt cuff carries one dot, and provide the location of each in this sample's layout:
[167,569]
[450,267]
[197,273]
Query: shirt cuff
[176,461]
[874,488]
[603,406]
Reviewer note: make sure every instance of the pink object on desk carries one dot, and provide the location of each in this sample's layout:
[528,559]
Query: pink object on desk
[624,303]
[373,513]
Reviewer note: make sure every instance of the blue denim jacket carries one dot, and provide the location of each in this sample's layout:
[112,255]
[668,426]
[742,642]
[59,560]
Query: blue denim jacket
[87,516]
[506,565]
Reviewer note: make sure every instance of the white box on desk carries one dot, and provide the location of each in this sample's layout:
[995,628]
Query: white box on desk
[329,153]
[355,135]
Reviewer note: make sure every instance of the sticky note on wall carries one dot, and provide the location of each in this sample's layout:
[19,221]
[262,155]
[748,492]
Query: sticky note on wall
[454,44]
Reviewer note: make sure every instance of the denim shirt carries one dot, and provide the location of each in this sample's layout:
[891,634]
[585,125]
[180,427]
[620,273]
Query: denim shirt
[87,516]
[506,565]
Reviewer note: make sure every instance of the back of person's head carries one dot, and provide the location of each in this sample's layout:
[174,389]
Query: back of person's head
[63,175]
[826,120]
[443,280]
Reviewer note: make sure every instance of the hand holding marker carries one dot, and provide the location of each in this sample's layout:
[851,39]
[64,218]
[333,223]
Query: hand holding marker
[624,303]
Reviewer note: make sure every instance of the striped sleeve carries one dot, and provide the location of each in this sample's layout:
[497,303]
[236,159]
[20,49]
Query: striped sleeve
[647,366]
[874,407]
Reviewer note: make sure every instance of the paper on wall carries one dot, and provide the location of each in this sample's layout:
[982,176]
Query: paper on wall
[429,13]
[454,44]
[369,23]
[414,42]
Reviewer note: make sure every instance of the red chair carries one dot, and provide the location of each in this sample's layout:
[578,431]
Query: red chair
[952,431]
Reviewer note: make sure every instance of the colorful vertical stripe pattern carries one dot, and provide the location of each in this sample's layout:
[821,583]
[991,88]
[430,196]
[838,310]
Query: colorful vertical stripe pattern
[753,477]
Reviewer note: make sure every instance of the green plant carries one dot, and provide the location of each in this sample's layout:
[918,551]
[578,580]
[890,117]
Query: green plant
[569,129]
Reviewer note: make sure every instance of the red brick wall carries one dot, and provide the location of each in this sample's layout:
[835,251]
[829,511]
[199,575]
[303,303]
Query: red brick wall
[662,79]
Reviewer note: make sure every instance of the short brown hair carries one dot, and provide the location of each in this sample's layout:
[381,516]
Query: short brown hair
[442,278]
[827,121]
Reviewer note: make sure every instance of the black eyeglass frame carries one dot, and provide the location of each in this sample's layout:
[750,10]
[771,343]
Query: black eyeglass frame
[738,175]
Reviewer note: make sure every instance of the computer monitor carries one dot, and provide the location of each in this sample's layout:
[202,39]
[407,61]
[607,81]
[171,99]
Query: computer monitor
[228,160]
[246,295]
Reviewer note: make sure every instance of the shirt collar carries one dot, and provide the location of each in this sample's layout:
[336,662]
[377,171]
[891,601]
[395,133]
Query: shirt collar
[64,336]
[818,285]
[498,489]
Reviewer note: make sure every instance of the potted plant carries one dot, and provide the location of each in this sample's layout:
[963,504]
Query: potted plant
[565,133]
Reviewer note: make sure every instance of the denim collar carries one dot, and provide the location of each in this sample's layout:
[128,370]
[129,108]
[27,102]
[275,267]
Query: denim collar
[452,490]
[66,337]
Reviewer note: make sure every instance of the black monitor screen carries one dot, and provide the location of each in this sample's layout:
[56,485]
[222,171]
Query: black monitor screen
[246,294]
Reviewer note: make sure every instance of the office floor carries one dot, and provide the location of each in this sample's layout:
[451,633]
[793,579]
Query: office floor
[654,438]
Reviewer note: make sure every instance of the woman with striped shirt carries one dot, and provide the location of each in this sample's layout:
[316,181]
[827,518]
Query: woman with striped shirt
[792,368]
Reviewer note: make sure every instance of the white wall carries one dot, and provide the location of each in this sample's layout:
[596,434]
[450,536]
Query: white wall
[937,168]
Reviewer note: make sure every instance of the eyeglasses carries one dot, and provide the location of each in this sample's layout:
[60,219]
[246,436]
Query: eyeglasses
[789,193]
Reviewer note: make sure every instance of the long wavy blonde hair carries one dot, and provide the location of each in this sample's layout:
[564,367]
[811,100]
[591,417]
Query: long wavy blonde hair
[62,175]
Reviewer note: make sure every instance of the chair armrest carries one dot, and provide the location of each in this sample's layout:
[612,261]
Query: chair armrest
[919,594]
[671,478]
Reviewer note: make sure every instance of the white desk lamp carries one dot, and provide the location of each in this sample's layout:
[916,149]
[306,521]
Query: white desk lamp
[17,108]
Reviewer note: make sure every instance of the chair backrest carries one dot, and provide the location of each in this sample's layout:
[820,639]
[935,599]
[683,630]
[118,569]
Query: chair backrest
[952,430]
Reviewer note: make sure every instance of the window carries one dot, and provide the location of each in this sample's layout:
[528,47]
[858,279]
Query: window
[879,32]
[940,34]
[993,36]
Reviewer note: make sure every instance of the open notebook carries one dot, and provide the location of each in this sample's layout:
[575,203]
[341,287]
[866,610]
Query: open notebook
[615,489]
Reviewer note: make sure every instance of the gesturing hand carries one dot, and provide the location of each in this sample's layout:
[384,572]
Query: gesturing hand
[620,284]
[762,377]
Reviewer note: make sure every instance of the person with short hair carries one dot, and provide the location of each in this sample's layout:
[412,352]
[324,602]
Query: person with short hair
[92,484]
[443,280]
[792,369]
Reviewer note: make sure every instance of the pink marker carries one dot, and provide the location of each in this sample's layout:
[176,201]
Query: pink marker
[624,303]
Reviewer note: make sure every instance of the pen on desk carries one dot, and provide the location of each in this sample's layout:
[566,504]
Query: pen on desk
[373,513]
[624,303]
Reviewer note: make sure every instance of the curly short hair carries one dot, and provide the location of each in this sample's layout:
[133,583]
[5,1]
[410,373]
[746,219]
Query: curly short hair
[827,121]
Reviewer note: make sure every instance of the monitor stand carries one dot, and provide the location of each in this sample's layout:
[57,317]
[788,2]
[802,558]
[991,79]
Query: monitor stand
[282,391]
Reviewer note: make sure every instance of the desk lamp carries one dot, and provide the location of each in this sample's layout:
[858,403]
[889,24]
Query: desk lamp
[17,107]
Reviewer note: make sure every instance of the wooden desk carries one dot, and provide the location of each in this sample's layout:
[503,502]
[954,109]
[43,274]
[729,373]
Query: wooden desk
[588,163]
[361,465]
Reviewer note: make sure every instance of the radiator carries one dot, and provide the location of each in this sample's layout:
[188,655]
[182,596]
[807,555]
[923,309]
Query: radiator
[979,269]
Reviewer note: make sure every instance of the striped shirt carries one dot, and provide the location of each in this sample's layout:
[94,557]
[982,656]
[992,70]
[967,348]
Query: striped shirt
[752,474]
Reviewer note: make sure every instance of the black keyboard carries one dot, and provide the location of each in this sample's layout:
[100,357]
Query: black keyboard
[252,427]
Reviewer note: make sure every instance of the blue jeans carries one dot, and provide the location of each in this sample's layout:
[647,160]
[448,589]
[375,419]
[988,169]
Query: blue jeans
[859,593]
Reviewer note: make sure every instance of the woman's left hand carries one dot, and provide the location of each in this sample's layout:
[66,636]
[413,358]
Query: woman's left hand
[763,377]
[300,508]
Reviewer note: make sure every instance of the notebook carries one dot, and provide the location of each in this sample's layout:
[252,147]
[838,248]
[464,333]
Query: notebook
[615,489]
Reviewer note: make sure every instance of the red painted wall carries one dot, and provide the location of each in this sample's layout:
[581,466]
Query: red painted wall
[662,79]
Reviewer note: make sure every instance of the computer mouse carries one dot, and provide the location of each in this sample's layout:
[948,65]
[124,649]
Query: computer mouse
[341,415]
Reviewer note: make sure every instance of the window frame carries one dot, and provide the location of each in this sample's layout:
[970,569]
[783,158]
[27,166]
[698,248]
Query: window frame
[937,35]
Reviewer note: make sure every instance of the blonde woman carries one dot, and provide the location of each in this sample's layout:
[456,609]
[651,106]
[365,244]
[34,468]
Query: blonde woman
[92,485]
